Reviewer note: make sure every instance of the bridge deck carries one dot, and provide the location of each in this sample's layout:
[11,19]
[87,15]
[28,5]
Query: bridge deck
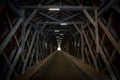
[60,68]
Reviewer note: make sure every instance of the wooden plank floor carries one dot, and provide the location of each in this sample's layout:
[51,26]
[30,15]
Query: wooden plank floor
[60,68]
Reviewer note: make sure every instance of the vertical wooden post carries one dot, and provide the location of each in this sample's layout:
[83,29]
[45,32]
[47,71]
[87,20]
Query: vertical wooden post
[37,47]
[82,45]
[96,32]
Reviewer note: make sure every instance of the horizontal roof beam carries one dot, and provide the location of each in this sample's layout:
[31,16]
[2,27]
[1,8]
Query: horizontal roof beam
[50,30]
[60,7]
[58,23]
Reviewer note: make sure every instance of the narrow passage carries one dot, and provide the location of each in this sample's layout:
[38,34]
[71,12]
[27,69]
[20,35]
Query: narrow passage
[60,68]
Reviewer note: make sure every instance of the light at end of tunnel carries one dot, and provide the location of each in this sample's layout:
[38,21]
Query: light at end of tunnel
[59,48]
[54,9]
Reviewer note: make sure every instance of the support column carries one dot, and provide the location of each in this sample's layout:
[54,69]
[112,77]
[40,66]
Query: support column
[96,32]
[82,44]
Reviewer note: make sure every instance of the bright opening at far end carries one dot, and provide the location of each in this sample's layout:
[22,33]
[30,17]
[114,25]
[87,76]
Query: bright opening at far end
[59,48]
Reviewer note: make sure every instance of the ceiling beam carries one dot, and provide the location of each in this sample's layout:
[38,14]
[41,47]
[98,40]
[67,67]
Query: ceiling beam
[58,23]
[40,18]
[71,17]
[57,29]
[107,6]
[43,14]
[70,13]
[78,8]
[52,18]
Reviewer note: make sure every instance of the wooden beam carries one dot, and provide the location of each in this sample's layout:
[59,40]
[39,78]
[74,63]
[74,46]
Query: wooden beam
[95,24]
[58,23]
[77,28]
[37,47]
[92,54]
[10,24]
[109,35]
[111,73]
[89,17]
[82,45]
[107,6]
[88,56]
[92,33]
[86,25]
[31,57]
[50,17]
[78,8]
[96,31]
[116,8]
[29,51]
[10,35]
[8,75]
[15,49]
[13,30]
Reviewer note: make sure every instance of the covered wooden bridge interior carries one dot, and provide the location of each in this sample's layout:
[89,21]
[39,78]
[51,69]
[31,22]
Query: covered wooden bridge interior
[59,39]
